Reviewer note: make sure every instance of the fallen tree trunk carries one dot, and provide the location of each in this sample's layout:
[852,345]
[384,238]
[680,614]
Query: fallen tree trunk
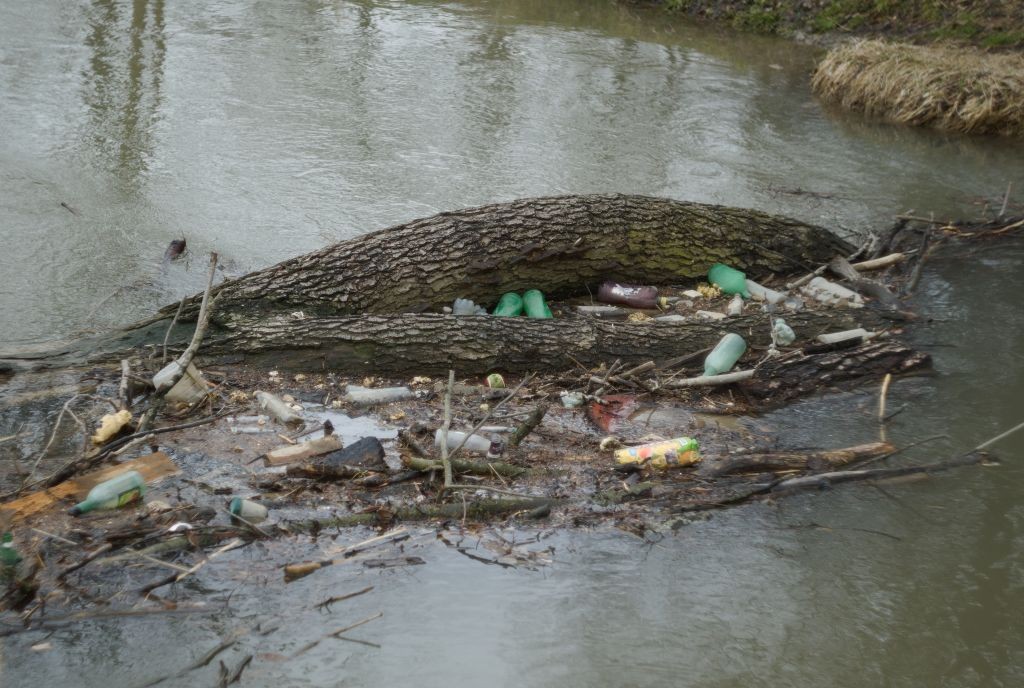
[555,244]
[797,374]
[430,343]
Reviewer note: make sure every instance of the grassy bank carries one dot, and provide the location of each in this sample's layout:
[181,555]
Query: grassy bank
[983,23]
[949,88]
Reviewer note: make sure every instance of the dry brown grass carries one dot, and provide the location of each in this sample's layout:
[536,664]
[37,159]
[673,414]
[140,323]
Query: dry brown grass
[956,89]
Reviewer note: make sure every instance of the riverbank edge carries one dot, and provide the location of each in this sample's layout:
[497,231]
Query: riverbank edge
[983,24]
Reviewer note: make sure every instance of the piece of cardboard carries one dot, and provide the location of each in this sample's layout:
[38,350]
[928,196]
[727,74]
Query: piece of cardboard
[152,467]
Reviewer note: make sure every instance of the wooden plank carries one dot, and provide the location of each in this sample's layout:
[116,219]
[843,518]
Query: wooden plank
[152,467]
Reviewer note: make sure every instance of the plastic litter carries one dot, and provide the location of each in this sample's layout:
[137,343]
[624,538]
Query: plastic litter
[782,333]
[495,381]
[365,396]
[631,295]
[9,557]
[467,307]
[729,280]
[277,409]
[120,490]
[534,305]
[725,354]
[831,293]
[735,306]
[475,443]
[188,390]
[836,337]
[681,451]
[509,305]
[248,510]
[760,293]
[572,399]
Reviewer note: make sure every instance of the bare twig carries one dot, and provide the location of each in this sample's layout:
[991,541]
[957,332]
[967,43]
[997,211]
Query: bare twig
[124,389]
[444,430]
[1006,199]
[202,322]
[167,336]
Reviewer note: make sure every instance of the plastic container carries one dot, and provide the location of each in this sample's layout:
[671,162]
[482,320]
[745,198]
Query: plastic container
[634,296]
[836,337]
[760,293]
[509,305]
[681,451]
[830,292]
[467,307]
[735,306]
[729,280]
[534,305]
[782,333]
[9,556]
[365,396]
[725,354]
[247,510]
[120,490]
[281,411]
[188,390]
[475,443]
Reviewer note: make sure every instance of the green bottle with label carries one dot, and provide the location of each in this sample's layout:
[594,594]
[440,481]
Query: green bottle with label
[113,494]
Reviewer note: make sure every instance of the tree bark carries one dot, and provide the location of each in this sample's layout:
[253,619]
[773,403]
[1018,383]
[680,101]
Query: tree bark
[555,244]
[431,344]
[797,374]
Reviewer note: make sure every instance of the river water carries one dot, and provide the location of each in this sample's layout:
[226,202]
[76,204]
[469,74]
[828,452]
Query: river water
[263,130]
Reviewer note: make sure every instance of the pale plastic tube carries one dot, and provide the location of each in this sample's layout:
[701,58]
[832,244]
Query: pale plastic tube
[475,443]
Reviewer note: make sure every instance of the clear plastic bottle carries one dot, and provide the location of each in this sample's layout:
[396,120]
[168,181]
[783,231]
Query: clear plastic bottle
[120,490]
[725,354]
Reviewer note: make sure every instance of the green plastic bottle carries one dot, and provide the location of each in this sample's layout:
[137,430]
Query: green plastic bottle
[725,354]
[534,305]
[113,494]
[729,280]
[9,557]
[510,305]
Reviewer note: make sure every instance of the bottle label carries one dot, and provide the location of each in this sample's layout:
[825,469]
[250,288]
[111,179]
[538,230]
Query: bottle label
[128,496]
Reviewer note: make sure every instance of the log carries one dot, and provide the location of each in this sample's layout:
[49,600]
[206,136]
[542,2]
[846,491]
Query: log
[432,344]
[555,244]
[798,460]
[796,374]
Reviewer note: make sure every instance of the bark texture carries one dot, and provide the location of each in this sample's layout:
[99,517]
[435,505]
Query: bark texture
[798,374]
[555,244]
[428,344]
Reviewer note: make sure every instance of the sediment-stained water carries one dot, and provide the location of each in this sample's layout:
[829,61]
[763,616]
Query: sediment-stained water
[264,130]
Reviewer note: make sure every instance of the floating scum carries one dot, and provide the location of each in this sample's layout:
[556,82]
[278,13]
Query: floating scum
[956,89]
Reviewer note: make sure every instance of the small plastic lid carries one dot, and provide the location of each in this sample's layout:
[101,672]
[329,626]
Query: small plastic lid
[236,506]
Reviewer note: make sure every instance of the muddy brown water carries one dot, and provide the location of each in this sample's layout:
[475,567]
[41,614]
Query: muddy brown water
[263,130]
